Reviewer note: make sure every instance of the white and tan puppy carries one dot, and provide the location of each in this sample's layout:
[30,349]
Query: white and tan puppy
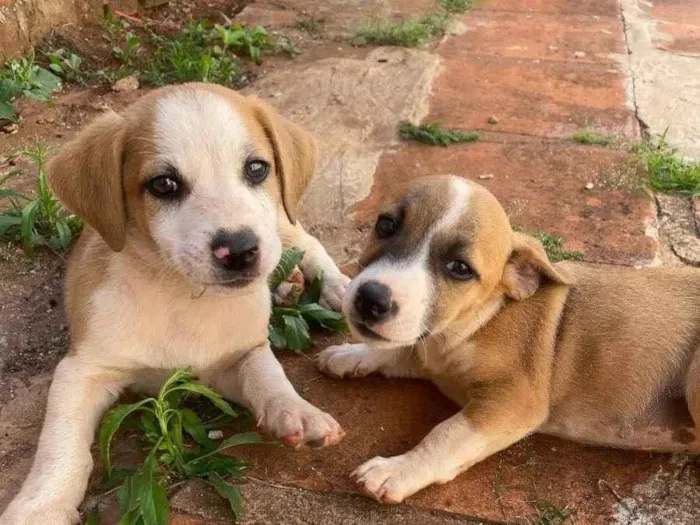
[188,199]
[451,294]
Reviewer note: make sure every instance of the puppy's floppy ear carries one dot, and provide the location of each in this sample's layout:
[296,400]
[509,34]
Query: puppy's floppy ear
[86,175]
[295,156]
[527,267]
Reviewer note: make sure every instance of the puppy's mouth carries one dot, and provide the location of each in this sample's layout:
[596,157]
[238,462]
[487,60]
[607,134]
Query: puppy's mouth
[237,282]
[367,332]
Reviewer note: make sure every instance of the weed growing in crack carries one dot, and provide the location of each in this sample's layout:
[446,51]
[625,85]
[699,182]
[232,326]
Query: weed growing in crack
[457,6]
[667,171]
[406,33]
[179,448]
[591,138]
[38,221]
[435,134]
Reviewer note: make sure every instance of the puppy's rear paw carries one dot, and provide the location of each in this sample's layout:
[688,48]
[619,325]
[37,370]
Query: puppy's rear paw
[297,423]
[389,480]
[348,360]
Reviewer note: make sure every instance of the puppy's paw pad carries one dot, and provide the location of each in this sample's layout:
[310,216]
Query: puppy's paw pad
[388,480]
[297,423]
[334,289]
[348,360]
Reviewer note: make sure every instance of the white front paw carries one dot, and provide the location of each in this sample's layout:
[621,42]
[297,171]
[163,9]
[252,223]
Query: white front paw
[35,513]
[390,480]
[334,287]
[347,360]
[297,423]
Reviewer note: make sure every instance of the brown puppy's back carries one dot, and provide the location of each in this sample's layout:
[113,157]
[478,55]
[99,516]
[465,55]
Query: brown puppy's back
[625,346]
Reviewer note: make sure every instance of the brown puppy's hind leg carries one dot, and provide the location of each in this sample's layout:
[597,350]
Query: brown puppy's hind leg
[692,392]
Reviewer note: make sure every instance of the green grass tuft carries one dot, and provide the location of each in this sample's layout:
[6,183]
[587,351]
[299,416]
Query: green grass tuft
[38,221]
[457,6]
[179,448]
[407,33]
[434,134]
[668,172]
[592,138]
[554,246]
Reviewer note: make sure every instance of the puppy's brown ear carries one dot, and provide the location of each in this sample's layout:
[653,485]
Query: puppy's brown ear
[295,156]
[86,175]
[527,267]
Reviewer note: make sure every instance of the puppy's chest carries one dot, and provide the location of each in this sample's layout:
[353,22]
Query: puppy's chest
[156,330]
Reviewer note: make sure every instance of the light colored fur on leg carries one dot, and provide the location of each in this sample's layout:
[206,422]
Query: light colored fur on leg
[359,360]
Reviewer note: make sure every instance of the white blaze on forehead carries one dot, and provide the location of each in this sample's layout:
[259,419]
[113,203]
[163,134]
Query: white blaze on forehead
[410,280]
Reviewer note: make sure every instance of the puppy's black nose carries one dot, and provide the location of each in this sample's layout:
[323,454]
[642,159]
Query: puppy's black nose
[235,251]
[373,302]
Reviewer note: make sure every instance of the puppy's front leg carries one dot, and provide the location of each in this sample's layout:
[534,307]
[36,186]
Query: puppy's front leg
[257,381]
[56,484]
[360,360]
[450,448]
[316,258]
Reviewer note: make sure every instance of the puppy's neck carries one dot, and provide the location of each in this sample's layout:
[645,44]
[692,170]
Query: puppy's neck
[462,329]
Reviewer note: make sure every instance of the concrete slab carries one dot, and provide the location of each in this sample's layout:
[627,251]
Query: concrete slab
[532,97]
[666,82]
[538,36]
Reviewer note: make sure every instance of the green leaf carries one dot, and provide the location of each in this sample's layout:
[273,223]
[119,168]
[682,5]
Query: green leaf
[327,319]
[93,518]
[194,427]
[312,293]
[297,333]
[152,499]
[180,375]
[111,423]
[12,194]
[218,401]
[8,221]
[289,259]
[7,111]
[28,214]
[275,333]
[244,438]
[64,233]
[126,496]
[229,492]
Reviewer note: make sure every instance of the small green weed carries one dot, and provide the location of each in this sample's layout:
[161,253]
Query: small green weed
[242,41]
[40,221]
[24,77]
[591,138]
[457,6]
[668,172]
[127,55]
[65,64]
[407,33]
[179,449]
[311,26]
[434,134]
[554,246]
[550,514]
[289,326]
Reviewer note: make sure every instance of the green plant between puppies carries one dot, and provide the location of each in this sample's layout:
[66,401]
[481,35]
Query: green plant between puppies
[435,134]
[289,327]
[179,448]
[39,221]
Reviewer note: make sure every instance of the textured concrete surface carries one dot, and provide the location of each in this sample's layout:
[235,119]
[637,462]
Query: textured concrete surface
[665,63]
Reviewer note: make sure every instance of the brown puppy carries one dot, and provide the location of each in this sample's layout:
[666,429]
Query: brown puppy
[188,198]
[451,294]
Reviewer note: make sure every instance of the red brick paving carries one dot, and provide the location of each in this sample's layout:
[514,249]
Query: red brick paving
[679,25]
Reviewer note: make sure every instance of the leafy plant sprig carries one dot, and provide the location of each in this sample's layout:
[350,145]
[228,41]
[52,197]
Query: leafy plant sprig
[290,326]
[39,221]
[23,77]
[179,448]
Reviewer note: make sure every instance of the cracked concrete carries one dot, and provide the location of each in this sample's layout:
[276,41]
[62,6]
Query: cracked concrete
[666,83]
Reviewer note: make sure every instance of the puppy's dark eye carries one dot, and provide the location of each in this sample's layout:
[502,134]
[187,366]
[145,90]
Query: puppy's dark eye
[459,270]
[386,226]
[256,170]
[164,187]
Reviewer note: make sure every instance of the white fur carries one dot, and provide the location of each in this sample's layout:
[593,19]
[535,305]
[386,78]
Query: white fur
[410,281]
